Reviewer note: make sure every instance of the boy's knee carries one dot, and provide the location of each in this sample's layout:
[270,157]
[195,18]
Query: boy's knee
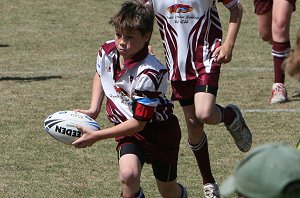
[204,116]
[128,176]
[265,36]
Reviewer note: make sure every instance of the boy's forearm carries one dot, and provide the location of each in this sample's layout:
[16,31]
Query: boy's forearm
[128,127]
[97,95]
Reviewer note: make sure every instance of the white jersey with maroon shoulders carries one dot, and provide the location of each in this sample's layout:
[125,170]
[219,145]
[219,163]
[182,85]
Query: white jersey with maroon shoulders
[138,90]
[191,31]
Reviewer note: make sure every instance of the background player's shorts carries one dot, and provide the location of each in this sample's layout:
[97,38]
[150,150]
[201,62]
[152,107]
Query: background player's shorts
[263,6]
[159,145]
[185,90]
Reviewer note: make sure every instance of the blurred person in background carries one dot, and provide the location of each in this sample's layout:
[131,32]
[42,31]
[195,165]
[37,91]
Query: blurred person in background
[292,63]
[267,171]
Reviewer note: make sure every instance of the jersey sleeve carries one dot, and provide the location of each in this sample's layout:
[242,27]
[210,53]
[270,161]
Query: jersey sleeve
[99,61]
[151,85]
[229,3]
[102,56]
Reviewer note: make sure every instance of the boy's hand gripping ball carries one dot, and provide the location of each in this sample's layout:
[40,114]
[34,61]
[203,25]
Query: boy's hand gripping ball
[61,125]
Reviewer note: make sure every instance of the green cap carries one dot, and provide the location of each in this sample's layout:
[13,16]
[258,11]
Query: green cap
[264,172]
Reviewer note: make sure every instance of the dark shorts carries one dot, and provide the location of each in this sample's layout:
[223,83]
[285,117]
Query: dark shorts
[184,91]
[264,6]
[158,144]
[162,171]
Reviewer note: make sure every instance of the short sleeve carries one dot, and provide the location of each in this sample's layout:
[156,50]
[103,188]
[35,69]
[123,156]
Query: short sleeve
[151,83]
[99,61]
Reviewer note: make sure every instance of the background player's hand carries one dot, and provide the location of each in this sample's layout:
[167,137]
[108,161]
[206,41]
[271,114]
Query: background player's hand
[87,139]
[222,54]
[150,50]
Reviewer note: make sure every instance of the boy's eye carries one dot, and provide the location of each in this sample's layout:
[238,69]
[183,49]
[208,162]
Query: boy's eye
[128,37]
[118,35]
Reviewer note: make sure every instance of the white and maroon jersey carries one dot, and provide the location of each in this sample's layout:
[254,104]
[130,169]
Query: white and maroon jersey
[136,91]
[191,30]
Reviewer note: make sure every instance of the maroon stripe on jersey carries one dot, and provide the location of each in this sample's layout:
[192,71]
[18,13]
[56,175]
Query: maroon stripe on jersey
[216,20]
[212,34]
[113,113]
[108,47]
[170,38]
[198,56]
[196,43]
[215,38]
[155,76]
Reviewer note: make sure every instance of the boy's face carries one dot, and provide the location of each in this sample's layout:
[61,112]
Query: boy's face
[128,43]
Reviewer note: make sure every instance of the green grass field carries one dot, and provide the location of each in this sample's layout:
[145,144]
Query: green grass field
[47,61]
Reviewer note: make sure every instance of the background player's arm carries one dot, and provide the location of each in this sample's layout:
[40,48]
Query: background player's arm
[223,54]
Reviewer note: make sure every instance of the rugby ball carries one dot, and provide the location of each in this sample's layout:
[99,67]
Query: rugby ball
[61,125]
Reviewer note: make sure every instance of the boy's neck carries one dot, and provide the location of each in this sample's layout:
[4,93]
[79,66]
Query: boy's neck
[121,62]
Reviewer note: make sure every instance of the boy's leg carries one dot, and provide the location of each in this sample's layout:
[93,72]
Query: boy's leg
[166,175]
[197,138]
[171,189]
[198,143]
[210,113]
[264,23]
[281,18]
[263,11]
[130,168]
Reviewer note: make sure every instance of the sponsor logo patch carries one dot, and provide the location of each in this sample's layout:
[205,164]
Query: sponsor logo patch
[180,8]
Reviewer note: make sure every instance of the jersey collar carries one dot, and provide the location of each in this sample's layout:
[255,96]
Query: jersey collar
[138,57]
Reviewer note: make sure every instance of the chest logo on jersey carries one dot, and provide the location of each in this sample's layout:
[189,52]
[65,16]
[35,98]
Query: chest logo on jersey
[122,95]
[180,8]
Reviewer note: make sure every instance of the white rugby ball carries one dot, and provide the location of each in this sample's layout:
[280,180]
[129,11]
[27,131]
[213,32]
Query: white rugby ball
[61,125]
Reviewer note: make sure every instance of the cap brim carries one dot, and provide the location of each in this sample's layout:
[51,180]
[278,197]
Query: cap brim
[228,186]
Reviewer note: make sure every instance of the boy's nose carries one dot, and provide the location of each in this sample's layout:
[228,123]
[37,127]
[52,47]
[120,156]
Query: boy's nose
[121,40]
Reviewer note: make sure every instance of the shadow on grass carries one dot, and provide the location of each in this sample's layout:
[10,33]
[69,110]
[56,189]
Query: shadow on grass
[38,78]
[4,45]
[295,97]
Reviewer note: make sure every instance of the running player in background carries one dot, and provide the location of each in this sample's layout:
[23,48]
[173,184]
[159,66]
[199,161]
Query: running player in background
[192,34]
[135,83]
[274,18]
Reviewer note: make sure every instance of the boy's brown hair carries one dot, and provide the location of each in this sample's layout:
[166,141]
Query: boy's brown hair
[133,15]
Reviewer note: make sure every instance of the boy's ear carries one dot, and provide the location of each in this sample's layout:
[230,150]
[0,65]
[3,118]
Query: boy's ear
[147,37]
